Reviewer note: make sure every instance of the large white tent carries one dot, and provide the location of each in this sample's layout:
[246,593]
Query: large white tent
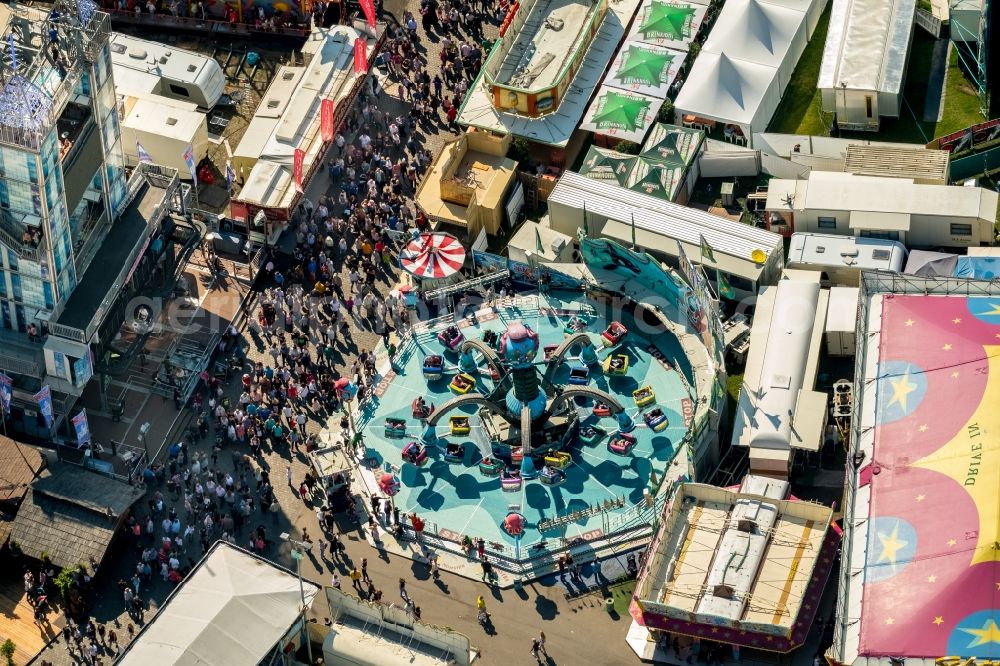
[747,61]
[233,608]
[730,90]
[762,33]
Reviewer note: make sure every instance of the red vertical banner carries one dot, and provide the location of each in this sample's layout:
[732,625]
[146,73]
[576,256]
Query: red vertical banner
[297,163]
[360,56]
[368,7]
[326,120]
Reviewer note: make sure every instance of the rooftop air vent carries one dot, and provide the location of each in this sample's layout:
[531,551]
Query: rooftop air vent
[138,54]
[273,103]
[723,591]
[288,76]
[748,526]
[820,249]
[192,68]
[780,381]
[118,48]
[171,121]
[163,60]
[880,255]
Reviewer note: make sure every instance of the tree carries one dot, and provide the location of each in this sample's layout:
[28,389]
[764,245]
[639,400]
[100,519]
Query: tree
[666,112]
[627,147]
[519,150]
[7,651]
[64,582]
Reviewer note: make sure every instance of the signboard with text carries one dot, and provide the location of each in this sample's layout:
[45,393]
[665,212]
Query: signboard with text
[298,161]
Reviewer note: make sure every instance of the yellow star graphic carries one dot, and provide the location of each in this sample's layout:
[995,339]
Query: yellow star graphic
[921,498]
[956,320]
[891,545]
[909,322]
[901,389]
[890,620]
[951,544]
[989,633]
[932,578]
[938,619]
[954,375]
[994,311]
[969,447]
[923,427]
[947,347]
[998,586]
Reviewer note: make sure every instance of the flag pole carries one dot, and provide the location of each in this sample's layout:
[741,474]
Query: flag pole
[633,231]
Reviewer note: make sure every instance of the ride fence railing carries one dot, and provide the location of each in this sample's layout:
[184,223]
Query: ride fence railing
[537,558]
[622,531]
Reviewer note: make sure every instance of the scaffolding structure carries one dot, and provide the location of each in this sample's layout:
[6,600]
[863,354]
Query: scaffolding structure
[973,52]
[41,65]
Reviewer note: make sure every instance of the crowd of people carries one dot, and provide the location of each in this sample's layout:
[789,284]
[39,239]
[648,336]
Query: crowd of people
[340,273]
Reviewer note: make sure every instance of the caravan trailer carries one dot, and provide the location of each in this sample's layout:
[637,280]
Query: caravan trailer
[164,130]
[840,259]
[142,68]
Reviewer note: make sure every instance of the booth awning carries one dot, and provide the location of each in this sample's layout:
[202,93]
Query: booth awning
[878,221]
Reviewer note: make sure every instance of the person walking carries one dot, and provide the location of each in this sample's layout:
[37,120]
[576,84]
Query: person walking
[356,579]
[541,643]
[335,547]
[364,570]
[435,570]
[536,650]
[402,590]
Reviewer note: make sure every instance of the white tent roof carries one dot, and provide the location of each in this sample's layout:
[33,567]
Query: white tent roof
[232,609]
[760,32]
[867,45]
[747,61]
[729,90]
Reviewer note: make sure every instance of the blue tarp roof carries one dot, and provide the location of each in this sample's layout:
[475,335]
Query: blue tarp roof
[977,268]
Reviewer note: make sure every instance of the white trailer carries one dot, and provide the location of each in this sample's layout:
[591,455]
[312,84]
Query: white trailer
[164,132]
[840,259]
[141,67]
[841,321]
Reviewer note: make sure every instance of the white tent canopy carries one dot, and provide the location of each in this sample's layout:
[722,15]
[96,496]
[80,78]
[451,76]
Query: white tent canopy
[233,608]
[730,91]
[762,33]
[747,61]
